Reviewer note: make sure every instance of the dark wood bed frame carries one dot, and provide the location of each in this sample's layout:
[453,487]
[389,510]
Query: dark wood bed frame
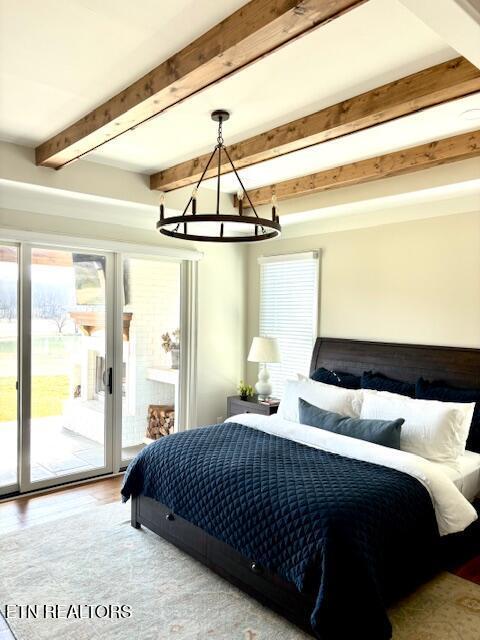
[455,366]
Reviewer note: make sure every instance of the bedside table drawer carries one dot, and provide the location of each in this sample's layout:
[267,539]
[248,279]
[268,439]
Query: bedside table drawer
[241,406]
[235,406]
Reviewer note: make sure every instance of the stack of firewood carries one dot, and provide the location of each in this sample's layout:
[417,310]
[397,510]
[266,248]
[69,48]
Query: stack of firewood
[160,421]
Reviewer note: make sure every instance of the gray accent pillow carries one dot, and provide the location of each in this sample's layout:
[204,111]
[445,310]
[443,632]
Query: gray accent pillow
[383,432]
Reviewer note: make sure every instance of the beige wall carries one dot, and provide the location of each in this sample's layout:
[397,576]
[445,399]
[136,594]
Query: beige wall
[413,282]
[221,329]
[221,301]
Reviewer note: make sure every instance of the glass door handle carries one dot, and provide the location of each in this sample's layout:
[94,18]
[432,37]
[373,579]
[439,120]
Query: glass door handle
[107,379]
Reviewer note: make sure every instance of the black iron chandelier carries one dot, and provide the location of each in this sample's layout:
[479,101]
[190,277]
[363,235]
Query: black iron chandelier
[189,224]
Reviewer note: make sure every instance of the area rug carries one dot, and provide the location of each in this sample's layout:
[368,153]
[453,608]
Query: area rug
[106,569]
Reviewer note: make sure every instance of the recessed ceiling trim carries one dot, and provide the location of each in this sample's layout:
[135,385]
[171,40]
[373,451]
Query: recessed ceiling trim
[255,30]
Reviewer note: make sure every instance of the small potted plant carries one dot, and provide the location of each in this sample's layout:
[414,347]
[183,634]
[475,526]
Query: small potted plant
[245,390]
[171,345]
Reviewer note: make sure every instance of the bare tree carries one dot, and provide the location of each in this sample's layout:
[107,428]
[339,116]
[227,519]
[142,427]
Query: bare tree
[8,303]
[59,316]
[50,304]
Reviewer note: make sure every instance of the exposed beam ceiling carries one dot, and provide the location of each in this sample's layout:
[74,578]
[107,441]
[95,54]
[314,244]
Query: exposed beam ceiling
[438,84]
[255,30]
[410,160]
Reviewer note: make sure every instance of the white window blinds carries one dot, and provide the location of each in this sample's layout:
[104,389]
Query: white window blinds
[289,312]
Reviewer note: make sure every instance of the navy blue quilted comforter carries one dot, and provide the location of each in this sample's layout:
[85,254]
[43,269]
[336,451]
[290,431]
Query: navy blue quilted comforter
[351,534]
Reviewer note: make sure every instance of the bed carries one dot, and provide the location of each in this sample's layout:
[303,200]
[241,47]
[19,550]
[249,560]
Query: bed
[322,535]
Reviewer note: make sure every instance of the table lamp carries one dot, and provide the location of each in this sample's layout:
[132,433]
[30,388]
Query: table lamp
[264,350]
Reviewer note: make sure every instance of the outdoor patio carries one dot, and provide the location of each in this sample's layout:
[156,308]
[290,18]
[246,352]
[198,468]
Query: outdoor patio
[56,451]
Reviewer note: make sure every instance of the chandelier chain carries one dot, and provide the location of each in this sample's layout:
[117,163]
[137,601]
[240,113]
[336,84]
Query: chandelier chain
[220,140]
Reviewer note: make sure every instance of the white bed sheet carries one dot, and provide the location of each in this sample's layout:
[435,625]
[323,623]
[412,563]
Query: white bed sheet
[465,474]
[453,511]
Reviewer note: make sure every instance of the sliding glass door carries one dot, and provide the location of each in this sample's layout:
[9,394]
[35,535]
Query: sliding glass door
[70,365]
[56,364]
[8,368]
[91,351]
[150,351]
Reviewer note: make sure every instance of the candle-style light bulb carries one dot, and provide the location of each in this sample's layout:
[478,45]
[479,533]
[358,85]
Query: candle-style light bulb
[194,201]
[162,206]
[240,196]
[274,207]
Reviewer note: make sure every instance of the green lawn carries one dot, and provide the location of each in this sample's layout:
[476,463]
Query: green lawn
[48,394]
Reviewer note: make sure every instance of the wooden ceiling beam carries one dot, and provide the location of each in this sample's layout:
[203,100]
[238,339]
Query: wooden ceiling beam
[432,86]
[253,31]
[424,156]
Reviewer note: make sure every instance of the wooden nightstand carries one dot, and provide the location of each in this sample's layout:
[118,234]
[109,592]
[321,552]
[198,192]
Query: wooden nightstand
[236,405]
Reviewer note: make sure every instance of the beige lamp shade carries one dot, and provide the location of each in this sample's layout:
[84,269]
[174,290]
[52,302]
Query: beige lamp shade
[264,350]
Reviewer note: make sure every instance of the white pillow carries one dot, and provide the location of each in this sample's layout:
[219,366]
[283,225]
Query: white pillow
[434,430]
[347,402]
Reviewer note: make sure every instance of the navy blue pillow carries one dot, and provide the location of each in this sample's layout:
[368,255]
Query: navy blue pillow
[379,382]
[337,378]
[440,391]
[386,433]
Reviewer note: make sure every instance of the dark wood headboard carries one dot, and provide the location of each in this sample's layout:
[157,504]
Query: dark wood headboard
[407,362]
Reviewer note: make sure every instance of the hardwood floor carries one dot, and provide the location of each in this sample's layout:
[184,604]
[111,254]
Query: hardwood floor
[470,570]
[21,512]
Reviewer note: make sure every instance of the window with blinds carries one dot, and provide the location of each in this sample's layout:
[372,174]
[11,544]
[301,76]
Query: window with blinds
[289,312]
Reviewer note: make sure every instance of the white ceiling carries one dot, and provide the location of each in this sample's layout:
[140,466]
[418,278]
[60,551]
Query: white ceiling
[61,58]
[304,76]
[58,60]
